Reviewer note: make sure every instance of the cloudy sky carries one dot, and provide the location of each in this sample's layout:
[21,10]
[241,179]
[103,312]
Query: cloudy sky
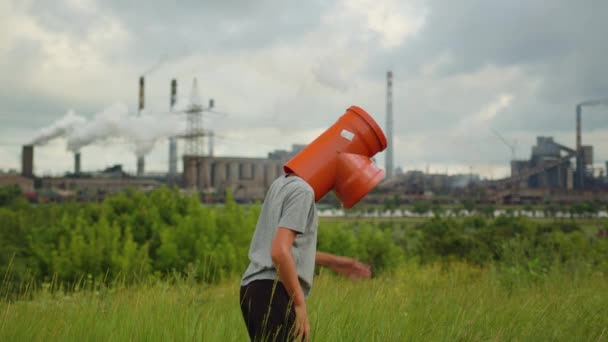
[283,71]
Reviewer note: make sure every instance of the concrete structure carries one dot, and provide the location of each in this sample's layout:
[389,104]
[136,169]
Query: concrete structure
[248,178]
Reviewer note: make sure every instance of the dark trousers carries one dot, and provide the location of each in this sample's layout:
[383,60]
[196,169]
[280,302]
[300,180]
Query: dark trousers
[267,310]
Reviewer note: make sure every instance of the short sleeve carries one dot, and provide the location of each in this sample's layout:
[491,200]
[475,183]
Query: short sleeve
[296,209]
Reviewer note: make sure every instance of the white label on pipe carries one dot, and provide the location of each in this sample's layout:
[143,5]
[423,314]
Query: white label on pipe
[347,134]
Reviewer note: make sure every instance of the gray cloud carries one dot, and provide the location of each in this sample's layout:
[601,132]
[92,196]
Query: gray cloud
[260,61]
[553,51]
[211,26]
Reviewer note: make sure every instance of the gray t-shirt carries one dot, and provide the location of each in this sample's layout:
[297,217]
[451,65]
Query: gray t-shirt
[289,203]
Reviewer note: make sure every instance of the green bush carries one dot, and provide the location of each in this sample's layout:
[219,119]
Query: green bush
[363,241]
[129,236]
[9,194]
[133,236]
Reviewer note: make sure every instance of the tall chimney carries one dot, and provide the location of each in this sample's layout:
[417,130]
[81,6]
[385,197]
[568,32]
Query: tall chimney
[389,125]
[77,163]
[578,127]
[173,140]
[141,93]
[140,160]
[580,163]
[27,161]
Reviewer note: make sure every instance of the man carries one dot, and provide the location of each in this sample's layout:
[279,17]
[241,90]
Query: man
[284,248]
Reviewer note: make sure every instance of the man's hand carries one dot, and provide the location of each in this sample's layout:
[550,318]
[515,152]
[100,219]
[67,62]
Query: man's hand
[302,327]
[353,269]
[345,266]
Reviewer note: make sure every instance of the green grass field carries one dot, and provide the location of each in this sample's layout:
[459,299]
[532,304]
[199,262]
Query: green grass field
[461,303]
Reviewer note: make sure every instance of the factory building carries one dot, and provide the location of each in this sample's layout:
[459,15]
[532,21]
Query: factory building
[547,168]
[24,183]
[550,173]
[248,178]
[97,185]
[88,184]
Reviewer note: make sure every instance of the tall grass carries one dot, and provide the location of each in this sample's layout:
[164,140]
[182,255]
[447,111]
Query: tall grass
[431,303]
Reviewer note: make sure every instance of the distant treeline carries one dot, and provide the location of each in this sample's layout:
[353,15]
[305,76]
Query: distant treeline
[134,236]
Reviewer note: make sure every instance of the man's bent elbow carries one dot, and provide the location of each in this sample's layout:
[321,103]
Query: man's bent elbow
[278,254]
[280,249]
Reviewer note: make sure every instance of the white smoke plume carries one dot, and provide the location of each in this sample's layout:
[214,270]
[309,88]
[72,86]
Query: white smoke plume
[146,130]
[142,132]
[104,125]
[60,128]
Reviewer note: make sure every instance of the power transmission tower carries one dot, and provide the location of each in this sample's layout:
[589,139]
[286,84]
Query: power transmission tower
[195,132]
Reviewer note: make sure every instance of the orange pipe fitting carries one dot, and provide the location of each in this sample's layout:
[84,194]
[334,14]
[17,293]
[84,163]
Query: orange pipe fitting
[339,158]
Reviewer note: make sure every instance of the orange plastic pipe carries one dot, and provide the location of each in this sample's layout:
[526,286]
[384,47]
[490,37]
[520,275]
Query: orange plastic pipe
[340,158]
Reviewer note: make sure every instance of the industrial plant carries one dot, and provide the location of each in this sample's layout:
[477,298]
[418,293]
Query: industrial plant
[203,172]
[554,171]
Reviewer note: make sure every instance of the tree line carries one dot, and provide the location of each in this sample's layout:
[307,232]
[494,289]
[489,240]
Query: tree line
[134,236]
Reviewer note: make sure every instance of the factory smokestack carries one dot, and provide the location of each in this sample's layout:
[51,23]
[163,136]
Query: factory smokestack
[77,163]
[580,164]
[578,127]
[27,161]
[140,160]
[173,140]
[389,125]
[580,154]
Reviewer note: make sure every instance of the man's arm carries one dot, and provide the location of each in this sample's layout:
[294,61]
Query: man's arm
[280,252]
[343,265]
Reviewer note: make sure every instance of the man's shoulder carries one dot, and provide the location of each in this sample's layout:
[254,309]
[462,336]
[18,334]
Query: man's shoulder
[289,186]
[299,184]
[292,182]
